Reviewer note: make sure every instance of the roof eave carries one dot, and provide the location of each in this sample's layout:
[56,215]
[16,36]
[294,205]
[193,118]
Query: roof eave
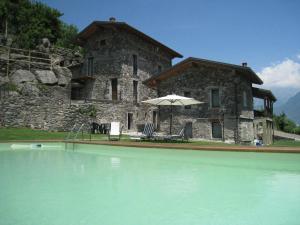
[126,26]
[189,61]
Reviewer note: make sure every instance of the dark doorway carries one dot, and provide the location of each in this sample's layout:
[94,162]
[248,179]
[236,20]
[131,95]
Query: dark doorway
[189,130]
[154,119]
[216,130]
[114,89]
[129,121]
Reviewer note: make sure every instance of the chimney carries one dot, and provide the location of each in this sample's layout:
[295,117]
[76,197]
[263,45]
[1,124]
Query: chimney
[244,64]
[112,19]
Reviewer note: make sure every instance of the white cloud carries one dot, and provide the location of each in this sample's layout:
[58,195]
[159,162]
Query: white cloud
[298,56]
[284,74]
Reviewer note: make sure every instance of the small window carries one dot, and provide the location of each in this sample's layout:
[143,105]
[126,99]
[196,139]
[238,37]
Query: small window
[245,102]
[159,68]
[216,130]
[90,66]
[114,89]
[77,93]
[103,42]
[135,91]
[215,98]
[187,94]
[135,66]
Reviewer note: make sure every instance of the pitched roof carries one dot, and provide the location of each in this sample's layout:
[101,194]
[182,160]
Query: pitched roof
[90,29]
[262,93]
[183,65]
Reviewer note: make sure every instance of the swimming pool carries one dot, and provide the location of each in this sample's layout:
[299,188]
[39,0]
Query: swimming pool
[110,185]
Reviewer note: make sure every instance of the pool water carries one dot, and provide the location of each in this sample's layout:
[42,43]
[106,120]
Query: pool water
[110,185]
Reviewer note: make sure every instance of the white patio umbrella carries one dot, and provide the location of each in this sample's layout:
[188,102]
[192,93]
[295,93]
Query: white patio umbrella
[172,100]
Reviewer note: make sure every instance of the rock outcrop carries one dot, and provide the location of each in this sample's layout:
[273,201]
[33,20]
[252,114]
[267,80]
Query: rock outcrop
[46,77]
[22,76]
[63,75]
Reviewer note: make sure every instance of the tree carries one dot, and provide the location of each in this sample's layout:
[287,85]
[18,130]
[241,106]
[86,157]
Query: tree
[67,36]
[8,11]
[285,124]
[30,21]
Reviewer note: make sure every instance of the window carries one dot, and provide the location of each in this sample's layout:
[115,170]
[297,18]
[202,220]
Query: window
[90,66]
[187,94]
[103,42]
[245,102]
[135,66]
[159,68]
[215,98]
[129,121]
[77,93]
[216,130]
[135,91]
[114,89]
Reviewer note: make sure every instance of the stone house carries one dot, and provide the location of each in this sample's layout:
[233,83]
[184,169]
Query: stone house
[123,66]
[263,122]
[118,59]
[227,113]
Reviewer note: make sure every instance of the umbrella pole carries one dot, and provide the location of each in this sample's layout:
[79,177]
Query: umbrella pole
[171,118]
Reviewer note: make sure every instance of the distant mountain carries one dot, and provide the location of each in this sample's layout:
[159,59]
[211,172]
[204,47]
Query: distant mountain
[291,108]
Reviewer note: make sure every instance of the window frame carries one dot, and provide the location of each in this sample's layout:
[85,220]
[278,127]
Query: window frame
[102,42]
[135,84]
[245,100]
[159,68]
[114,97]
[212,105]
[135,64]
[90,66]
[187,94]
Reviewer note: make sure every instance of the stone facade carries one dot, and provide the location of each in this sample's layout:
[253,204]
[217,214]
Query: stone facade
[114,77]
[110,55]
[235,117]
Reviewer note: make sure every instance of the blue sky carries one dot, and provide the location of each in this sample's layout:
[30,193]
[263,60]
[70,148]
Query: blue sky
[263,33]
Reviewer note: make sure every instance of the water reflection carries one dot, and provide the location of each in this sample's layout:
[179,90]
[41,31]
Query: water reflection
[115,162]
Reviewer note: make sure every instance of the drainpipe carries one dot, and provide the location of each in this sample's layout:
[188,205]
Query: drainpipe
[171,118]
[236,114]
[6,28]
[223,130]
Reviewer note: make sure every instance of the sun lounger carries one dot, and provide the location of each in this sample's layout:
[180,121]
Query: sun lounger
[147,133]
[175,137]
[115,131]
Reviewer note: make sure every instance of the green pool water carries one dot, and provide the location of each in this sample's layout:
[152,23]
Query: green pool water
[132,186]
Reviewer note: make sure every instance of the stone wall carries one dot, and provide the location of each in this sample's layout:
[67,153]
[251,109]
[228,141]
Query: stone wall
[37,99]
[235,118]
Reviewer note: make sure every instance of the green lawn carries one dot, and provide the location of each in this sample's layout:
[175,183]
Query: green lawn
[286,143]
[11,134]
[7,134]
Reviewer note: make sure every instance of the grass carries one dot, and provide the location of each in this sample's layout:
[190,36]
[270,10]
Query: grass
[286,143]
[8,134]
[14,134]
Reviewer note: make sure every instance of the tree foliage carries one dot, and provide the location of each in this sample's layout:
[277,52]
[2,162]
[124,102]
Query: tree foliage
[30,21]
[67,37]
[285,124]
